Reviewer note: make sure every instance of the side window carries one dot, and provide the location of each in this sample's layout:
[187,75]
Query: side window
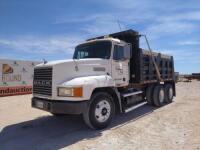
[118,52]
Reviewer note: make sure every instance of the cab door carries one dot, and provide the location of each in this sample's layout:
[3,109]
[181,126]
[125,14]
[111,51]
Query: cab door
[120,65]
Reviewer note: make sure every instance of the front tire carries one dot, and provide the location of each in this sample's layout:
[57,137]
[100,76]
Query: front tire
[100,111]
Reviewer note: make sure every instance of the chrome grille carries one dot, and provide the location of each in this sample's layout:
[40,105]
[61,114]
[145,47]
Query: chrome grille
[42,81]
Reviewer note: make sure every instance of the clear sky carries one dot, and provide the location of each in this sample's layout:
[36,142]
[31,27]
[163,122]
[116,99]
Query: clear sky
[37,29]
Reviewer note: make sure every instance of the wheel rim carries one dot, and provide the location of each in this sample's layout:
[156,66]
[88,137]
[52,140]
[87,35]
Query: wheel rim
[170,93]
[161,96]
[102,111]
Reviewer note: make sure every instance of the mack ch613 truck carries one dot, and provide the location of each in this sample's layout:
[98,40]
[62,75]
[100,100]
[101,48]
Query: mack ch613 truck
[108,75]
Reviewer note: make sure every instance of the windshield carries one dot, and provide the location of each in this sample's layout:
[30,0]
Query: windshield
[99,49]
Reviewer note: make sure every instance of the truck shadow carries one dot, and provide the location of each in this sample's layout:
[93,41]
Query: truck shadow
[50,132]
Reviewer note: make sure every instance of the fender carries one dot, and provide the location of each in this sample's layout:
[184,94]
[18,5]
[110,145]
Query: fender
[88,83]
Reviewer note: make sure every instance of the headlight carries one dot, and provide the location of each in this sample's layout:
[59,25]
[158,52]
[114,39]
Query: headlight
[70,92]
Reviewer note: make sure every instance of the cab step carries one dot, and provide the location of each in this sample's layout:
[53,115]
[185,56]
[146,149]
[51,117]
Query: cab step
[131,94]
[134,107]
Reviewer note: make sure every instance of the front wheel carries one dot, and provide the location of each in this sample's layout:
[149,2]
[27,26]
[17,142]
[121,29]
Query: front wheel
[100,111]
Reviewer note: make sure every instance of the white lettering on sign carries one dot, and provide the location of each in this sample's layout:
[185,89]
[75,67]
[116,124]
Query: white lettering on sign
[11,78]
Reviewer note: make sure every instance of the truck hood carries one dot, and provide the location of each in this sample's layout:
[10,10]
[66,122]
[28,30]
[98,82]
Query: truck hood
[53,63]
[77,61]
[65,70]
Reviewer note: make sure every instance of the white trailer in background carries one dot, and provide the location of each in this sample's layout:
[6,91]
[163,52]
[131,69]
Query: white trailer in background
[16,76]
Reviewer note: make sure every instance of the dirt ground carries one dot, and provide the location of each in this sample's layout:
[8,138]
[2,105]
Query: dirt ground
[174,126]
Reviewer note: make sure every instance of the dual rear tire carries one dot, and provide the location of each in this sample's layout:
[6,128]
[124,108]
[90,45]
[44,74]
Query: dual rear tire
[157,95]
[169,93]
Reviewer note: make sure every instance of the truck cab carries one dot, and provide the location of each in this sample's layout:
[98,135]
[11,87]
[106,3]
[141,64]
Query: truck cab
[97,82]
[115,52]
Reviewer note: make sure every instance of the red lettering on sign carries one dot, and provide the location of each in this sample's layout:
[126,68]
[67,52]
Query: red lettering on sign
[15,90]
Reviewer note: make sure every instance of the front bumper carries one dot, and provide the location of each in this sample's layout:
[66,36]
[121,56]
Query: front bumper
[59,107]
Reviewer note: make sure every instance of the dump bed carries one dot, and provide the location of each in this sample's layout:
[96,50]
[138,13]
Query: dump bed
[165,65]
[142,69]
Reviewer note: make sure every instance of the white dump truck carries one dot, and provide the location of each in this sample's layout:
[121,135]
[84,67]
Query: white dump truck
[107,75]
